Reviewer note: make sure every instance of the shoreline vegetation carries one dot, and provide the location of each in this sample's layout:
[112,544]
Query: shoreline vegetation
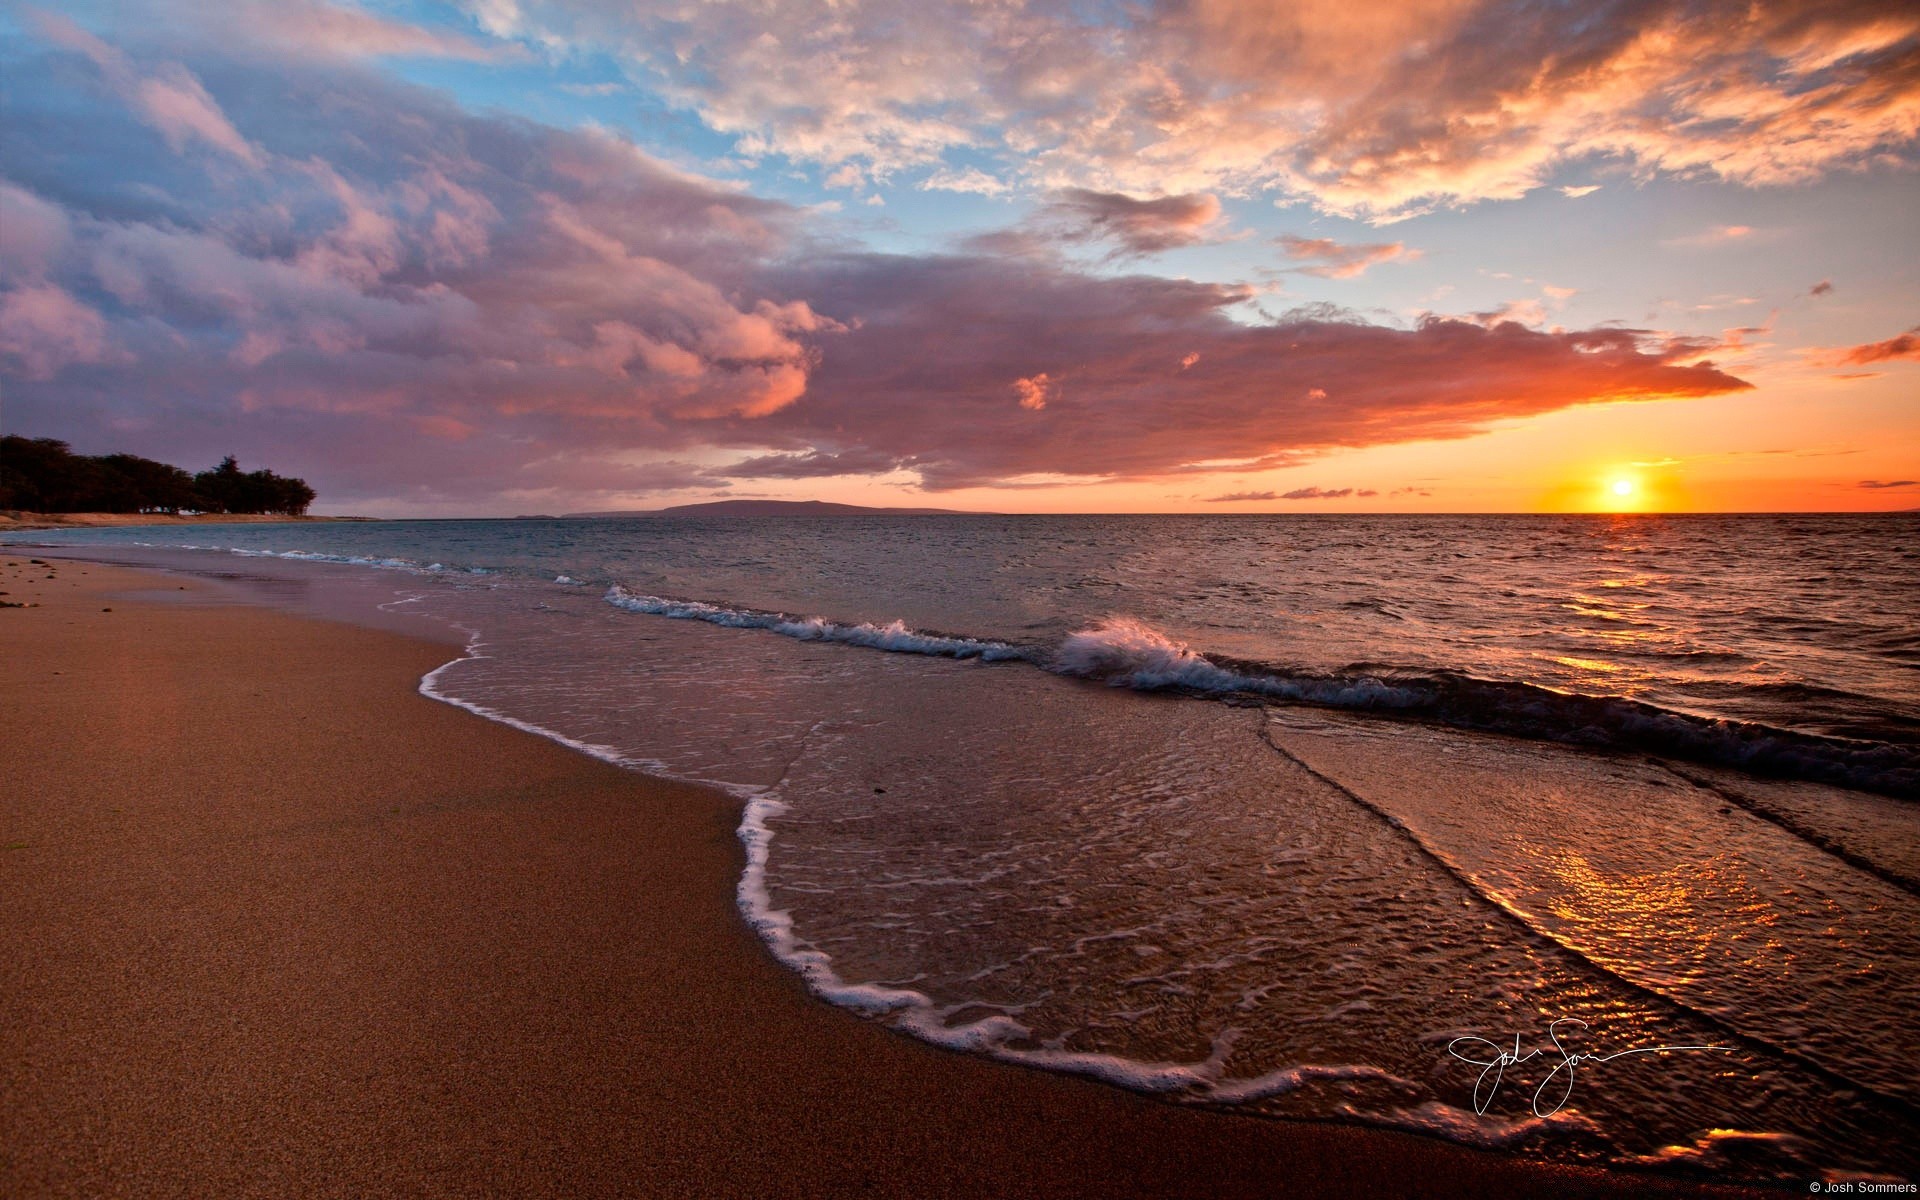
[20,519]
[279,924]
[45,474]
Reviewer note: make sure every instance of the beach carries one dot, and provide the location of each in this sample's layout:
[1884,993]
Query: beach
[281,925]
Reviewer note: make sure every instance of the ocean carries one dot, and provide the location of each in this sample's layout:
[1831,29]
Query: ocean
[1585,837]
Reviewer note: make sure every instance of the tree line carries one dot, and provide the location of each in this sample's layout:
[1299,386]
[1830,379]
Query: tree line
[45,475]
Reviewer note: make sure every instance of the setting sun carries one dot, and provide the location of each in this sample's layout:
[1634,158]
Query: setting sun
[1622,487]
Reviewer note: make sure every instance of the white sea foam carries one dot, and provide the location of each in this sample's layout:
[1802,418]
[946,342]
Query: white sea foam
[994,1035]
[894,637]
[1124,652]
[430,688]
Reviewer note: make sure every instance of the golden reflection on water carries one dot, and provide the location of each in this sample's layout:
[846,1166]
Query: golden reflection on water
[1673,926]
[1590,664]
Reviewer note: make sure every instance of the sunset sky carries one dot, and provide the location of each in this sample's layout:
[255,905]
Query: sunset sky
[512,256]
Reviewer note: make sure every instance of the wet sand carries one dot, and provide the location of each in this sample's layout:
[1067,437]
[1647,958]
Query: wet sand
[278,925]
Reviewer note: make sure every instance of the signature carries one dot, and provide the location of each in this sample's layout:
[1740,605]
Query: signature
[1559,1081]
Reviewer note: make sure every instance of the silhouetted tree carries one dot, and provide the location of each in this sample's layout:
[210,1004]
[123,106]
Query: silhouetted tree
[227,489]
[221,489]
[45,475]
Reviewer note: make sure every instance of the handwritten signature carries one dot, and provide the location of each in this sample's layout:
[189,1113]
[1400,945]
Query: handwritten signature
[1494,1069]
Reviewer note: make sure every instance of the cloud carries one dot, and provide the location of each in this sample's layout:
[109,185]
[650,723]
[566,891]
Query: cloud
[167,96]
[419,305]
[1891,483]
[967,180]
[1520,312]
[1574,193]
[1381,111]
[1305,493]
[900,380]
[1135,226]
[1719,235]
[1823,288]
[1905,345]
[1034,392]
[43,329]
[1335,261]
[316,27]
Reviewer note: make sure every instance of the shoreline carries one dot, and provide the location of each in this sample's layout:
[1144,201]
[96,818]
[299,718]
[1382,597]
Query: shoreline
[281,926]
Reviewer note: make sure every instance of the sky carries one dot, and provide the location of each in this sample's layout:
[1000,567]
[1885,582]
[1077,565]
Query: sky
[496,257]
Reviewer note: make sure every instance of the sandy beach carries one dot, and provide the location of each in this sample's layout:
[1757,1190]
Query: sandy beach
[279,925]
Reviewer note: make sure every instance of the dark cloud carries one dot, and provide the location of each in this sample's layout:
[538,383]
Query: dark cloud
[1891,483]
[1314,493]
[1823,288]
[1241,497]
[1133,225]
[1150,377]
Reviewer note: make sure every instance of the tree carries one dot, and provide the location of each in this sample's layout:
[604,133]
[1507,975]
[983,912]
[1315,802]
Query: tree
[227,489]
[45,475]
[221,490]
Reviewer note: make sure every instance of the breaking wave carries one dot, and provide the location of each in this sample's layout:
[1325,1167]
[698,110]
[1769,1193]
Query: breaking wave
[1126,652]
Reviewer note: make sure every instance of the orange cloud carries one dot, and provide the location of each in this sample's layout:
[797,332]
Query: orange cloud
[1905,345]
[1033,392]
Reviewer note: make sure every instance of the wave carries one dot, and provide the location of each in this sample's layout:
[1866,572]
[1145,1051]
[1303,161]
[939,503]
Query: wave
[894,636]
[1124,652]
[351,560]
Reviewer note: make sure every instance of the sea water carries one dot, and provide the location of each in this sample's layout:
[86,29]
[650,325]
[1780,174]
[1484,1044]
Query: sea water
[1311,816]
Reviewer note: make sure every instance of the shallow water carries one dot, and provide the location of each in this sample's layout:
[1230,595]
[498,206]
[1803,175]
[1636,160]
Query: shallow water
[1370,785]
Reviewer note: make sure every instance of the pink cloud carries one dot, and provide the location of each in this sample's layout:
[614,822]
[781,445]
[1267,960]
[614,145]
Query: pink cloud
[43,329]
[312,26]
[1335,261]
[169,98]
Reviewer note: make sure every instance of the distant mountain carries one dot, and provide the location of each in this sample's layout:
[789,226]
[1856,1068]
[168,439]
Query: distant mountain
[775,508]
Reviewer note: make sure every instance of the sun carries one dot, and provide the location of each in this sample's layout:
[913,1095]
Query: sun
[1621,493]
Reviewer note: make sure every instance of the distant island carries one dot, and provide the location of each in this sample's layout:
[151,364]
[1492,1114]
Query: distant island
[774,508]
